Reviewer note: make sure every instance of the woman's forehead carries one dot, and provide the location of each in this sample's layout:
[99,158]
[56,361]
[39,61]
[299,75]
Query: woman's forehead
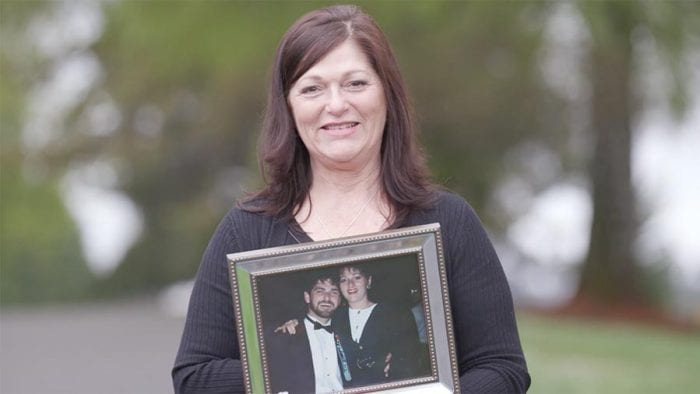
[342,61]
[351,271]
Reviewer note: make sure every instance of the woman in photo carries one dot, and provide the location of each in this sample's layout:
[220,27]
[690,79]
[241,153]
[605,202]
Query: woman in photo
[381,340]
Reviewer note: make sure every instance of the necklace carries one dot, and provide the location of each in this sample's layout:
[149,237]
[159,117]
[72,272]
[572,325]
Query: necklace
[352,222]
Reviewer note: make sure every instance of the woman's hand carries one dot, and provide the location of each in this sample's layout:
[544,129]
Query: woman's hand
[289,327]
[387,362]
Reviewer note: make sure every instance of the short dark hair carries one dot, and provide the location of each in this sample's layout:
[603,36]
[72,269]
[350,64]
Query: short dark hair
[282,156]
[319,275]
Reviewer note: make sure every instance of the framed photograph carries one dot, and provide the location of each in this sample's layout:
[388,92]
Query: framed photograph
[351,315]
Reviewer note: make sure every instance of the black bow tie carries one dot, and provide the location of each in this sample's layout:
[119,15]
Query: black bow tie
[319,326]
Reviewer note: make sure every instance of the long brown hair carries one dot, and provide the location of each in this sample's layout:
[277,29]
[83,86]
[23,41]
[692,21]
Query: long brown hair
[283,158]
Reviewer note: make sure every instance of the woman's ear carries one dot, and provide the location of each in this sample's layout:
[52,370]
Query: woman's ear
[369,282]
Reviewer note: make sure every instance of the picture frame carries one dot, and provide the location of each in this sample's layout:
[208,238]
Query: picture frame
[408,273]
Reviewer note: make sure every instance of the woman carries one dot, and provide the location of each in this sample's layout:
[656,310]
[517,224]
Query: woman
[339,155]
[381,341]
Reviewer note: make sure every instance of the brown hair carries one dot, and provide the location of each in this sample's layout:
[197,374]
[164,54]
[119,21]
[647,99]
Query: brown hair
[282,156]
[350,268]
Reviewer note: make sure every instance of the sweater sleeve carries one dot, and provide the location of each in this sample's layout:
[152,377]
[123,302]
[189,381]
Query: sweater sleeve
[489,353]
[208,360]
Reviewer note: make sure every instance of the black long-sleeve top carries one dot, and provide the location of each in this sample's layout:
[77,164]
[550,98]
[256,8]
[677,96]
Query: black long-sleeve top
[489,353]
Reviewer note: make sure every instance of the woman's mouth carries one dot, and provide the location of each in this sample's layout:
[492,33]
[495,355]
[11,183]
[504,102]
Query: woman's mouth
[339,126]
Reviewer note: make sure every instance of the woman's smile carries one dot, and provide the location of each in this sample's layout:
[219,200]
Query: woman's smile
[340,128]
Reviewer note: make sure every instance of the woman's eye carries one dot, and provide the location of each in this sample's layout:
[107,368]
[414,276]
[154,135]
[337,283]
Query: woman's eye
[309,90]
[357,84]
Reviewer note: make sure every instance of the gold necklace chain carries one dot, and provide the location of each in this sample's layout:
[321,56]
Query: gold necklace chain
[352,222]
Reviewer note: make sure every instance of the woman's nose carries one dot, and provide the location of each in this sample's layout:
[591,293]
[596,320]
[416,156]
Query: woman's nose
[337,104]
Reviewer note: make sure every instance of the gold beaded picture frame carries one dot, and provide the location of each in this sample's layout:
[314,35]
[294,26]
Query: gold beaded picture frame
[406,345]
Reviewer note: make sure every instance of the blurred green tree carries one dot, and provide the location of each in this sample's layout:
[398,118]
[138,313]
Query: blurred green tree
[40,255]
[612,272]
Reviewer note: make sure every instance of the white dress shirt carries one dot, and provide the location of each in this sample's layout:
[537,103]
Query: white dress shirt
[325,359]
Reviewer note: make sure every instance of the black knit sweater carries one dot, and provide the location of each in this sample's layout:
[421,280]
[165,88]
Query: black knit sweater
[488,348]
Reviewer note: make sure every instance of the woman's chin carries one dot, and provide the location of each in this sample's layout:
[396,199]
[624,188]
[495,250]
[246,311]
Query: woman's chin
[341,156]
[344,160]
[355,299]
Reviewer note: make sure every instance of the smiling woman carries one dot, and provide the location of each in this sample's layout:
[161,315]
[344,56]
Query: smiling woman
[340,111]
[339,153]
[382,339]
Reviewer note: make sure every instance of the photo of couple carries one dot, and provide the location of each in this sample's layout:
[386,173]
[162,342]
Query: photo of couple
[344,326]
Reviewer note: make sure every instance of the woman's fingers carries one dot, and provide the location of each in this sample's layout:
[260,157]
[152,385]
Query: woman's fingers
[387,361]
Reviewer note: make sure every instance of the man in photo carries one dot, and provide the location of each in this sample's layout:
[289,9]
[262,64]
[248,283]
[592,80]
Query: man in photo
[311,359]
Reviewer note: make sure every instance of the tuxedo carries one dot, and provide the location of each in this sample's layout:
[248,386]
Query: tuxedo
[290,359]
[388,330]
[290,362]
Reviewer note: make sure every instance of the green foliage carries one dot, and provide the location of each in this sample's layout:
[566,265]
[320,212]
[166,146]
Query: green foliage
[12,81]
[39,251]
[673,25]
[40,256]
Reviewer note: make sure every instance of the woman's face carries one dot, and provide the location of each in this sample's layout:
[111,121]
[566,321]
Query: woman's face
[339,109]
[354,285]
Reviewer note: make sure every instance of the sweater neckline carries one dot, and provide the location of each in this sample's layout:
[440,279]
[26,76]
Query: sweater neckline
[297,232]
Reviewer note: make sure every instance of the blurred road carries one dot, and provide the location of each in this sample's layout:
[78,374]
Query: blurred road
[119,347]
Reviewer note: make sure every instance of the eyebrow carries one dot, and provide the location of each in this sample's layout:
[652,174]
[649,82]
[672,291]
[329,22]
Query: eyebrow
[346,74]
[323,288]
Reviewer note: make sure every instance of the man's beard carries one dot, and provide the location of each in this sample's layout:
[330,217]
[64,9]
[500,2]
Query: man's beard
[324,312]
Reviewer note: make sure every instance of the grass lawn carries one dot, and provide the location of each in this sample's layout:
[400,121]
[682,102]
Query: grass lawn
[567,355]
